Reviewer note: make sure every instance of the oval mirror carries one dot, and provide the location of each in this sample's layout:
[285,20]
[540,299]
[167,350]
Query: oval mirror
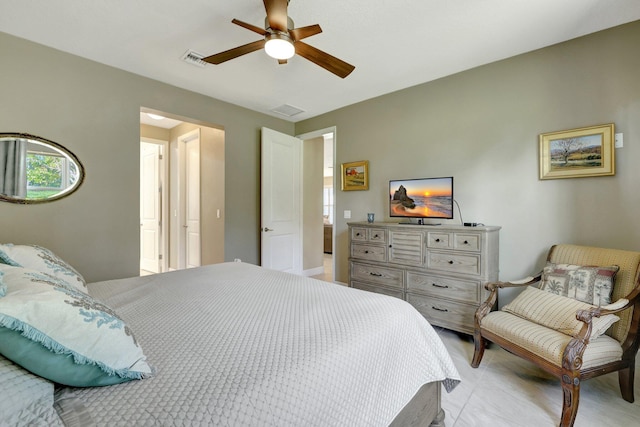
[36,170]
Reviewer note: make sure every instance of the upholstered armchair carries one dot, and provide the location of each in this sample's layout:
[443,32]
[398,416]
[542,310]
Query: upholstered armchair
[577,319]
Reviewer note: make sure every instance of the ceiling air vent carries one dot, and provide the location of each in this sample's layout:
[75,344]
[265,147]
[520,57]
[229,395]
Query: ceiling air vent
[194,58]
[287,110]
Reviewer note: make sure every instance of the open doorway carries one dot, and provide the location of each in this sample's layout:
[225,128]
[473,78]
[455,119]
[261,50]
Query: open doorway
[191,193]
[325,196]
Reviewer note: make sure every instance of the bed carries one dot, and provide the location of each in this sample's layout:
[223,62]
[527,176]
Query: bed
[236,344]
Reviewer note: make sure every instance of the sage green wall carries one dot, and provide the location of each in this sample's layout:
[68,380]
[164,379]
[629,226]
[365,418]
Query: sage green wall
[313,224]
[94,111]
[482,125]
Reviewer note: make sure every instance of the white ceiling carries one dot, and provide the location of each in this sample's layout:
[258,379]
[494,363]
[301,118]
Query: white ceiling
[393,44]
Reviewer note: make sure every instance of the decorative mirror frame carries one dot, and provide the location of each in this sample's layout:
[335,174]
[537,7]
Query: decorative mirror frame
[56,146]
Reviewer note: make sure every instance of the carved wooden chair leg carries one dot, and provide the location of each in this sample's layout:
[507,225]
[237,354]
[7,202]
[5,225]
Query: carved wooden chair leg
[625,378]
[570,400]
[480,344]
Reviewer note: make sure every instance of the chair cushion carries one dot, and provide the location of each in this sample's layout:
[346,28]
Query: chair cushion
[556,312]
[590,284]
[629,263]
[547,343]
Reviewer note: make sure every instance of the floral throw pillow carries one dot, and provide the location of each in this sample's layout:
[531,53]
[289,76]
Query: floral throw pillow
[63,334]
[589,284]
[43,260]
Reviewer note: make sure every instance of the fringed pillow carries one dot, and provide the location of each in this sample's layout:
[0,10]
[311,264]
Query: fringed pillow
[43,260]
[63,334]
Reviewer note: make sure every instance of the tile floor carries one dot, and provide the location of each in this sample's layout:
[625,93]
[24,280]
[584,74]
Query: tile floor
[506,391]
[327,276]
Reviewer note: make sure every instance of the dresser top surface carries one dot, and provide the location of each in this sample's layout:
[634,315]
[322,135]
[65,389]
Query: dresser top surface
[424,227]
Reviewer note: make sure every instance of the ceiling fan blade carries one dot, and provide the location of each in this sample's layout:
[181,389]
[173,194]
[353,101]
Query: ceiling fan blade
[221,57]
[276,14]
[304,32]
[251,27]
[323,59]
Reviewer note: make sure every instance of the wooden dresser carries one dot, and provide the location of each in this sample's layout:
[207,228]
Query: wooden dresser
[440,270]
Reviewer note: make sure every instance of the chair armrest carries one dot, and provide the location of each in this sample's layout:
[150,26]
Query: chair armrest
[572,357]
[493,287]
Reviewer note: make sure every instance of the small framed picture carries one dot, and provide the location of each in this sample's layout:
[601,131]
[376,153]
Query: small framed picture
[578,153]
[355,175]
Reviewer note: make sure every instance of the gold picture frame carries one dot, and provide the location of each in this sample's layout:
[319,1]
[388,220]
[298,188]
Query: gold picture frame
[578,153]
[355,175]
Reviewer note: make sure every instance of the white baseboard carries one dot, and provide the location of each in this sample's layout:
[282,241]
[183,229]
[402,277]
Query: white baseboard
[313,271]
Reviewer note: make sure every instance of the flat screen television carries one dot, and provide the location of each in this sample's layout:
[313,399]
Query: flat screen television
[421,198]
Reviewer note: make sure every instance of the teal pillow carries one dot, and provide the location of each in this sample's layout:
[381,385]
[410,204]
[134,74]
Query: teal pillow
[63,334]
[59,368]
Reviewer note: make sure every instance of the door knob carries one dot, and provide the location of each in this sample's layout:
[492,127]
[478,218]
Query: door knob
[267,229]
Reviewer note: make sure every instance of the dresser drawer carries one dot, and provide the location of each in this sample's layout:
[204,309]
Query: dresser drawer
[377,235]
[369,252]
[454,262]
[359,234]
[437,239]
[389,277]
[377,289]
[467,242]
[444,287]
[445,313]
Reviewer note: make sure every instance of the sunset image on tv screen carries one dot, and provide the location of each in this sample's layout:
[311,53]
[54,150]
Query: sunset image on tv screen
[421,198]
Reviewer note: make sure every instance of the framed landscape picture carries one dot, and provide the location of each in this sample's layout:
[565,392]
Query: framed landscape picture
[578,153]
[355,175]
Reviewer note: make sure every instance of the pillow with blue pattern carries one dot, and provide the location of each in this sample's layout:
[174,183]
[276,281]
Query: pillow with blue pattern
[43,260]
[63,334]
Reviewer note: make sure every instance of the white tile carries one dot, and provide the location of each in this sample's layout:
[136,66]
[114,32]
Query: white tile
[508,391]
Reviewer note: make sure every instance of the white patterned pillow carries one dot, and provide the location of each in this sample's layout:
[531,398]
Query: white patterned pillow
[26,398]
[43,260]
[590,284]
[556,312]
[63,334]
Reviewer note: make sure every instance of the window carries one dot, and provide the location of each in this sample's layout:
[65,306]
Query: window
[48,174]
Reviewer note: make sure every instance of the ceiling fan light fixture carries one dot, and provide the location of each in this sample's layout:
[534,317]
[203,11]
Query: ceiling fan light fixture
[279,46]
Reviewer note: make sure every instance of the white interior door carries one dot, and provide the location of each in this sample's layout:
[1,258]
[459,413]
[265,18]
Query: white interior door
[150,207]
[281,212]
[192,202]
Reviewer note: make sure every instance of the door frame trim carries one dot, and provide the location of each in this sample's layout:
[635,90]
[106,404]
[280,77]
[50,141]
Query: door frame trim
[316,134]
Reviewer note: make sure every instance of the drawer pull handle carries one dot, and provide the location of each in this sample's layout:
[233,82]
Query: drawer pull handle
[450,262]
[357,234]
[375,236]
[437,240]
[444,310]
[466,242]
[366,252]
[435,285]
[375,274]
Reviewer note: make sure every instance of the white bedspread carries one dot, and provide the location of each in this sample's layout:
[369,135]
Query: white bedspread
[235,344]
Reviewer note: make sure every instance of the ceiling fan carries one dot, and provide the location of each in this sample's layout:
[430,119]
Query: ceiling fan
[281,41]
